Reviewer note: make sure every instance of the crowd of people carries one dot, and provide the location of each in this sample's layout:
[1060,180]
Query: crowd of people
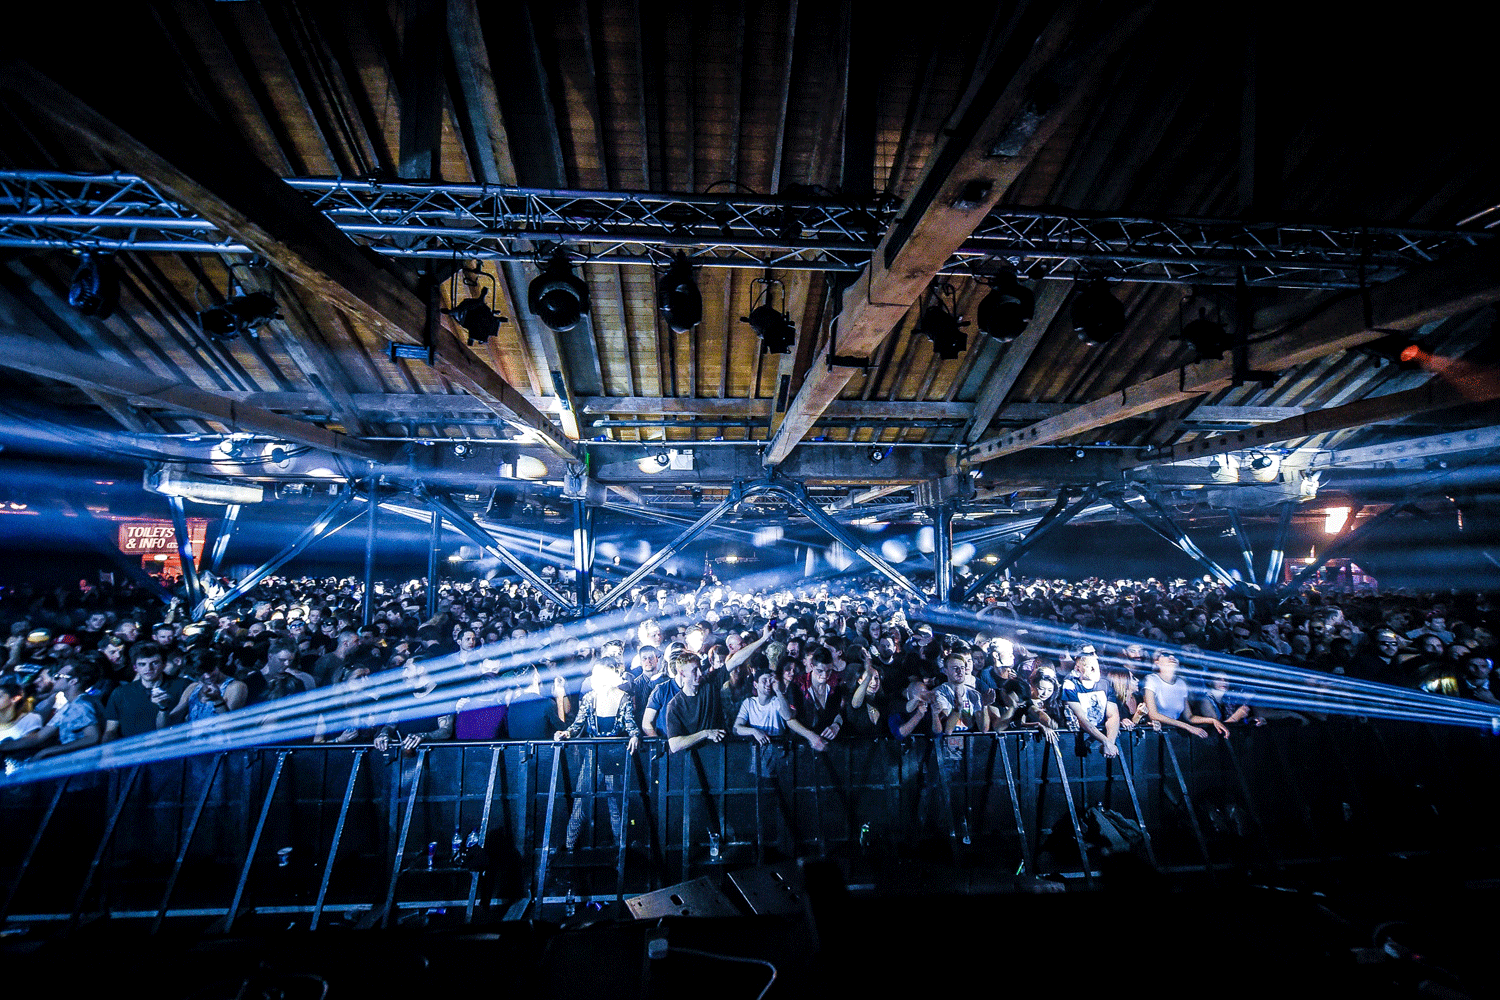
[703,663]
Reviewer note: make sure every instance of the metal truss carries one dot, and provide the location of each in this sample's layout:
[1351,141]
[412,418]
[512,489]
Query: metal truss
[42,210]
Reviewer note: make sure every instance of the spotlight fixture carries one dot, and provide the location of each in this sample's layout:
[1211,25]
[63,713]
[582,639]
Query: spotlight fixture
[1098,317]
[877,453]
[240,313]
[1006,310]
[1209,339]
[462,450]
[942,324]
[678,294]
[95,288]
[655,462]
[776,332]
[697,497]
[558,297]
[474,314]
[1264,468]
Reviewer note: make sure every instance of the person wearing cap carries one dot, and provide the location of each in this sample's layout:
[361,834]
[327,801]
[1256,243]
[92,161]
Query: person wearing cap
[665,688]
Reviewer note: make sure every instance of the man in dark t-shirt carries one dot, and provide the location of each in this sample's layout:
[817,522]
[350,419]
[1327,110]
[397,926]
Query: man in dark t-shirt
[132,708]
[696,713]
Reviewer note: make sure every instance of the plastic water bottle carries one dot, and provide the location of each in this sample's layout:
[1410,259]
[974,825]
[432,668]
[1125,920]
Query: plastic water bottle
[458,846]
[864,836]
[713,847]
[473,840]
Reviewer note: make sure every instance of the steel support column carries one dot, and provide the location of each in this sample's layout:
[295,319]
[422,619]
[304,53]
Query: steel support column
[318,529]
[475,532]
[433,542]
[185,552]
[1277,557]
[226,531]
[583,553]
[942,551]
[374,501]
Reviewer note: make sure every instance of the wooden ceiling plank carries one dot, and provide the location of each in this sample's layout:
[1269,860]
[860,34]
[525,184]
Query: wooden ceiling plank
[476,101]
[784,100]
[961,184]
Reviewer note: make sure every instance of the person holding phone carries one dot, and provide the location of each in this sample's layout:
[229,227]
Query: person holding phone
[214,692]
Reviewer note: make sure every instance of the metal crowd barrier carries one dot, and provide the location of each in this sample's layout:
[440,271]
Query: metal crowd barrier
[316,835]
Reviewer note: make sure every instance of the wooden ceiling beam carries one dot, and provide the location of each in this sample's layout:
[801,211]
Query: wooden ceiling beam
[193,159]
[1463,282]
[963,180]
[25,353]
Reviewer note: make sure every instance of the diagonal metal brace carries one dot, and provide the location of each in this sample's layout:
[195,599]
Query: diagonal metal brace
[797,497]
[475,532]
[318,529]
[1177,537]
[1060,513]
[737,492]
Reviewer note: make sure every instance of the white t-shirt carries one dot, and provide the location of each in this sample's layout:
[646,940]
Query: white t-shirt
[28,723]
[765,716]
[1171,699]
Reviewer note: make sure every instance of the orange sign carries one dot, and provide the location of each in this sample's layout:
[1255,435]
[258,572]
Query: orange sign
[144,538]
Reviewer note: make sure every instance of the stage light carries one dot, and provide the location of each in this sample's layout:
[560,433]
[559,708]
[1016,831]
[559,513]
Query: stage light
[240,314]
[678,295]
[95,288]
[1337,518]
[462,450]
[1264,468]
[697,497]
[654,463]
[945,331]
[1006,310]
[530,467]
[1098,317]
[176,483]
[474,314]
[776,332]
[558,297]
[1225,469]
[877,453]
[1208,339]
